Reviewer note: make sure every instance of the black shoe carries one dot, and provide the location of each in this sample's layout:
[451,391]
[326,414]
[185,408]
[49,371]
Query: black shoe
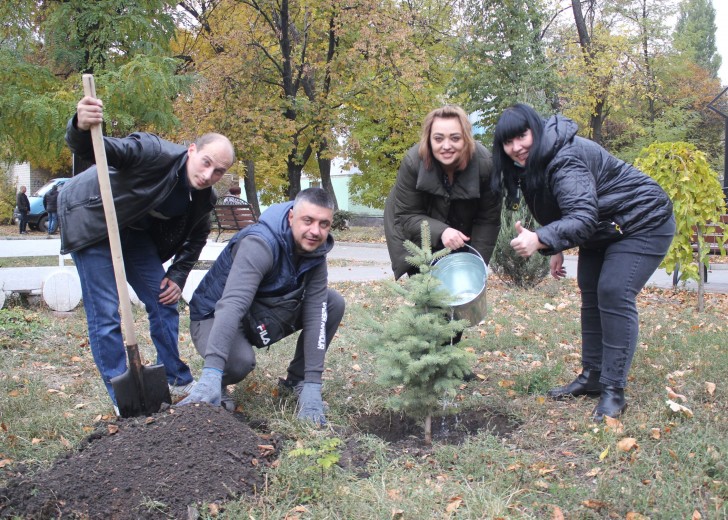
[612,403]
[586,383]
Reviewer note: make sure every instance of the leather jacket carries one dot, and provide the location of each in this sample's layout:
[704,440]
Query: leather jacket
[143,170]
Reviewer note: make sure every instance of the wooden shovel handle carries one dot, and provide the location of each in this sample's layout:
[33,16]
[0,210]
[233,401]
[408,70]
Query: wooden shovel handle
[112,226]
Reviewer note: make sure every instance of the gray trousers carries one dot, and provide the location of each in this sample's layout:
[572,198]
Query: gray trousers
[610,280]
[241,358]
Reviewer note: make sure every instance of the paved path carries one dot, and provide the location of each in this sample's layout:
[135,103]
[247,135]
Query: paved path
[375,266]
[369,262]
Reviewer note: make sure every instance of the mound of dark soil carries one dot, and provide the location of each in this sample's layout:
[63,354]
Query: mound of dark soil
[154,467]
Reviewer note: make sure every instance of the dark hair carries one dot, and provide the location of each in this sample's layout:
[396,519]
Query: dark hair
[235,190]
[514,121]
[447,112]
[317,196]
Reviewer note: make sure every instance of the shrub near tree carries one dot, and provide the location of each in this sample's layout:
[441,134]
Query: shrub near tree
[506,263]
[697,196]
[414,347]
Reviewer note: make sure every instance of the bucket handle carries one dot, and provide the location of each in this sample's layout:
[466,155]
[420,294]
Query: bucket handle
[468,246]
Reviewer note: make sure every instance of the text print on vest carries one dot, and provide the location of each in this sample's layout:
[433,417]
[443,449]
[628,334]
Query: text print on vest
[263,333]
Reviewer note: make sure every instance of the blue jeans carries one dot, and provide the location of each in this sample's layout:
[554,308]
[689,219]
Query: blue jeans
[52,222]
[144,272]
[610,279]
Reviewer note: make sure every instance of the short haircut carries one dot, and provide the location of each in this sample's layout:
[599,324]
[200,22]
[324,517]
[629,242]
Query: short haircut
[235,190]
[317,196]
[447,112]
[212,137]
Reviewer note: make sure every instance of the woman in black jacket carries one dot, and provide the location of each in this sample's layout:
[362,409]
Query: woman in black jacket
[620,218]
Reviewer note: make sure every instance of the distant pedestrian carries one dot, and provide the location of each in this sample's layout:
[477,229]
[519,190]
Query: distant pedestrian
[23,208]
[50,203]
[232,196]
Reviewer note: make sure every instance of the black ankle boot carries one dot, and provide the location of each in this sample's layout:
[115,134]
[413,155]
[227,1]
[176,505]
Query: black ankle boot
[612,403]
[586,383]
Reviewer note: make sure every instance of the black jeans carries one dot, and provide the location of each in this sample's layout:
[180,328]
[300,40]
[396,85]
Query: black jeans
[610,279]
[23,220]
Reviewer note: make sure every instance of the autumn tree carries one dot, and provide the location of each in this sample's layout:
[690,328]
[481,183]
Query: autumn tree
[501,57]
[44,48]
[695,34]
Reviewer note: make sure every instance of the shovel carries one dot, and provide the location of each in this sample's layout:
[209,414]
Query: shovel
[140,389]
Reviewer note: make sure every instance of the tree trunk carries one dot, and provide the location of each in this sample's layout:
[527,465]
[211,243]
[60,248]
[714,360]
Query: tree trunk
[428,429]
[325,170]
[251,193]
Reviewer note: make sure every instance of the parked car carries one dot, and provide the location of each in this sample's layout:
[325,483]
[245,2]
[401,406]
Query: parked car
[38,216]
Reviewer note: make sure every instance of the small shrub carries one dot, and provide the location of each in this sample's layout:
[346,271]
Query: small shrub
[506,263]
[341,220]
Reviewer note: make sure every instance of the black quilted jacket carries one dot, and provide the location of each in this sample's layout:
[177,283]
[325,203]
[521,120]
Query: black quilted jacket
[592,198]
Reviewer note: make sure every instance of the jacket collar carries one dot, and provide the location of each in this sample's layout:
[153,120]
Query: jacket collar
[466,184]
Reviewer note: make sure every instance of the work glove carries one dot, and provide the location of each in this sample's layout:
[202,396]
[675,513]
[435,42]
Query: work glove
[207,390]
[310,404]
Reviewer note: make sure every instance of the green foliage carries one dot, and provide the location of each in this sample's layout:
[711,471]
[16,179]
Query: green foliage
[683,172]
[506,263]
[413,347]
[501,58]
[695,34]
[123,43]
[341,220]
[324,452]
[7,197]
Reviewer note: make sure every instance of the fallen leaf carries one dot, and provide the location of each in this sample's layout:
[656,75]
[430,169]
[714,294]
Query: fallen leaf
[65,442]
[394,494]
[36,440]
[696,515]
[594,472]
[594,504]
[679,409]
[631,515]
[549,307]
[603,455]
[5,462]
[710,388]
[655,433]
[558,514]
[356,368]
[397,514]
[80,405]
[627,444]
[76,359]
[13,393]
[454,504]
[674,396]
[506,383]
[112,428]
[612,424]
[214,509]
[482,377]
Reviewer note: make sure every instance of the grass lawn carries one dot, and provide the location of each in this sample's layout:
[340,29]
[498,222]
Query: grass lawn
[654,463]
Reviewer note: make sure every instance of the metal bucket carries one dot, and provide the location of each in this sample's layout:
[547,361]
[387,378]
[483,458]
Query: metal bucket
[464,275]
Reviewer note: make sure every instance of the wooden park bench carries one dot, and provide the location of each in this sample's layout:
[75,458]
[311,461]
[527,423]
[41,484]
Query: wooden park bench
[232,214]
[712,240]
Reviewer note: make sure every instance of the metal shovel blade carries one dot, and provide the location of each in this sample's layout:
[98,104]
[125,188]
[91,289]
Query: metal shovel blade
[144,397]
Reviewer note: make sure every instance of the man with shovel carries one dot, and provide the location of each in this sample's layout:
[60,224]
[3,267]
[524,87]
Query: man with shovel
[163,195]
[270,281]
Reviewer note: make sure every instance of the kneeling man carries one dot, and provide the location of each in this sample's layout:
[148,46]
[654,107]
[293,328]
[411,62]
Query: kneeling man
[279,264]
